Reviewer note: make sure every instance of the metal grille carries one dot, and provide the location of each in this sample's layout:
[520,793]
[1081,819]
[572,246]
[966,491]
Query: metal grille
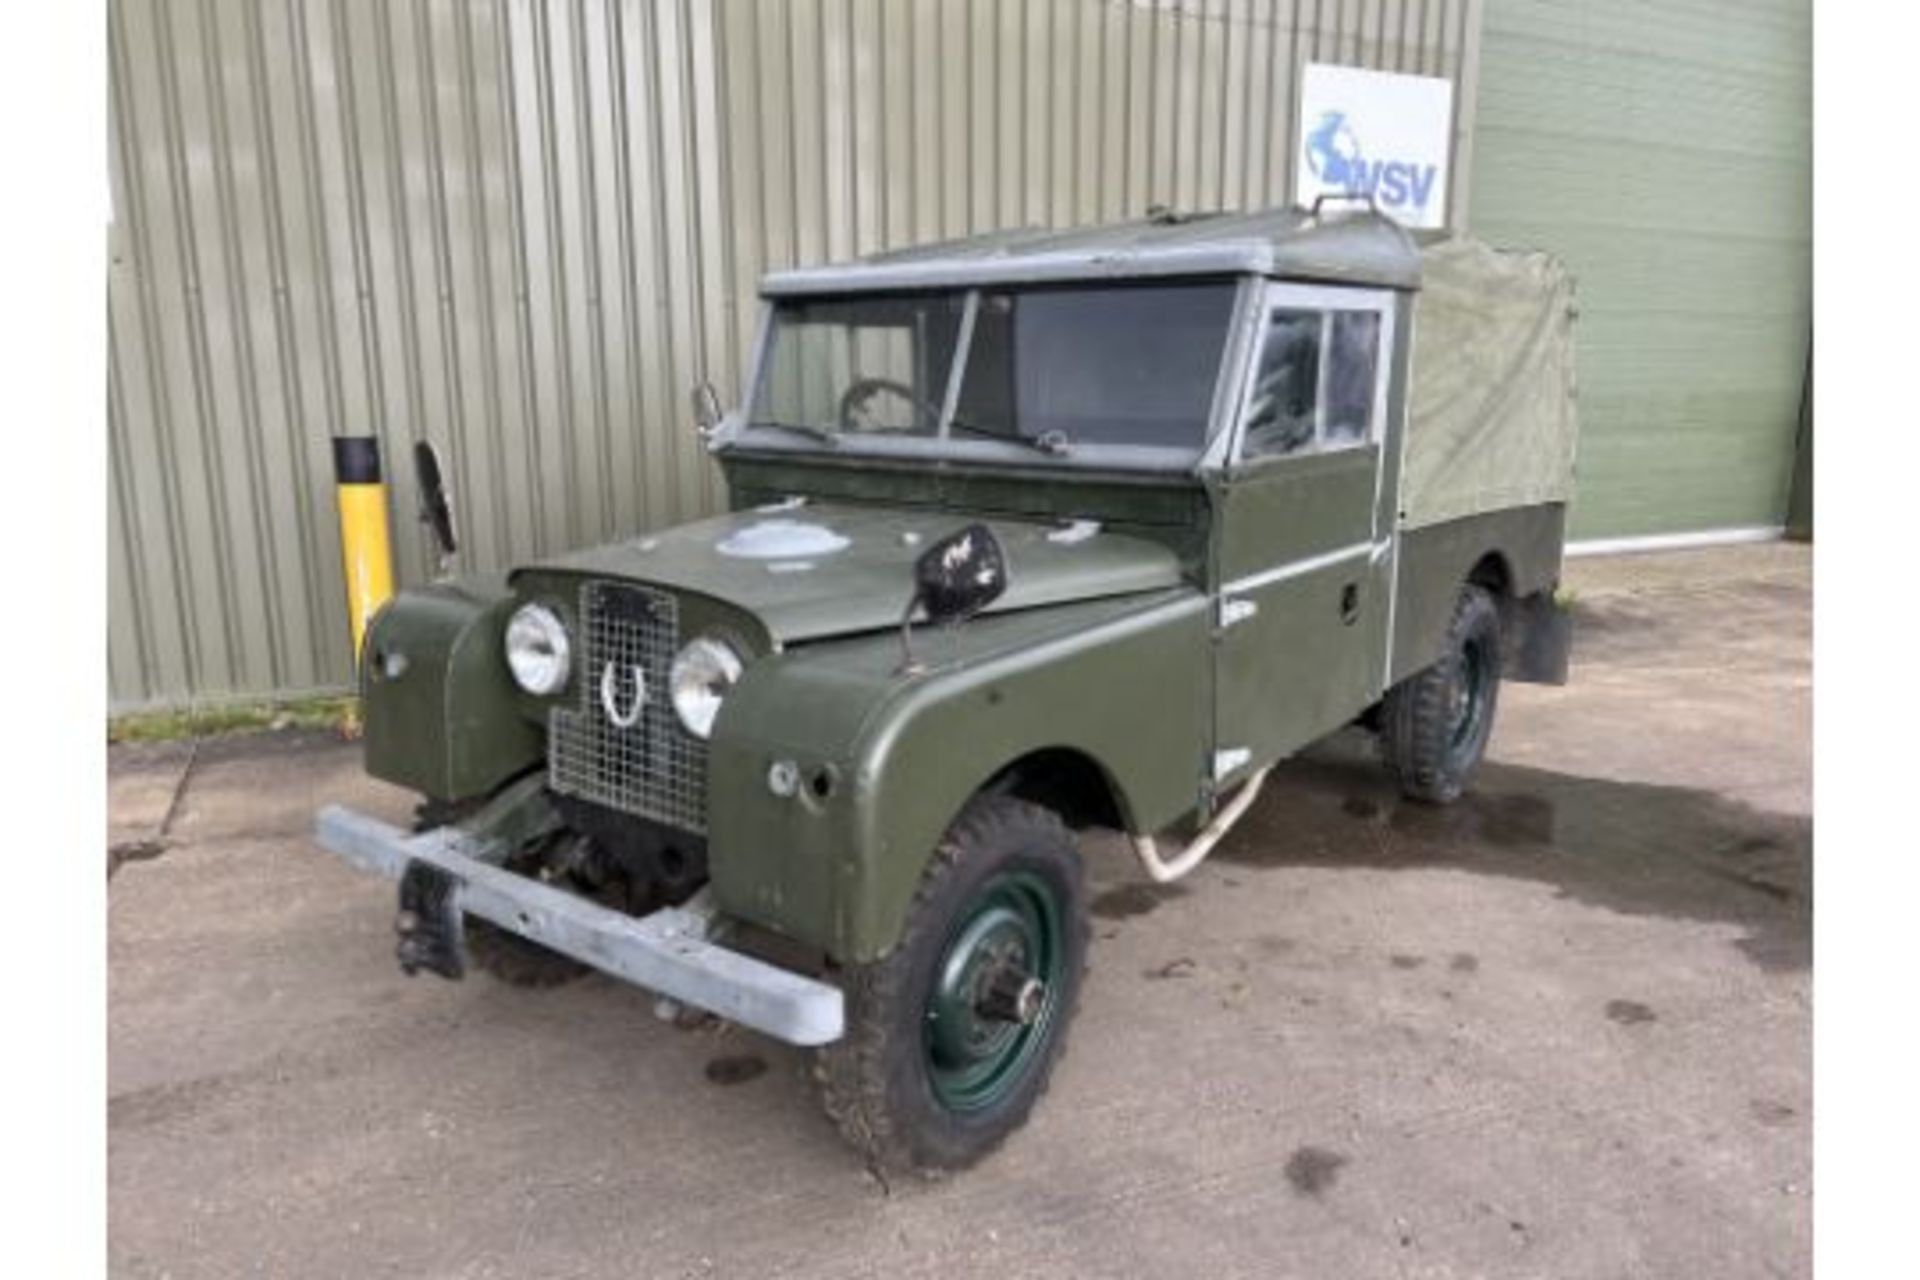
[654,769]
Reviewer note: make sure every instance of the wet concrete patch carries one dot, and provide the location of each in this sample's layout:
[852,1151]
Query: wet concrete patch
[1508,821]
[1629,1013]
[736,1069]
[1464,962]
[1757,884]
[1312,1171]
[1123,902]
[1630,847]
[1406,961]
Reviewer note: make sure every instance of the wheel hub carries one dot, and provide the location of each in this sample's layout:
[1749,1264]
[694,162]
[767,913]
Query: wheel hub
[991,1000]
[1012,995]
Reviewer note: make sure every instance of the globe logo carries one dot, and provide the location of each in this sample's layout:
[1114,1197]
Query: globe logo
[1333,153]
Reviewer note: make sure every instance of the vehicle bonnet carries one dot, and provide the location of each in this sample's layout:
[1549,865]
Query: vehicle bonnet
[817,570]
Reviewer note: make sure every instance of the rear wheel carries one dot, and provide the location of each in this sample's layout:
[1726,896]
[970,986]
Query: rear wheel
[1434,725]
[952,1037]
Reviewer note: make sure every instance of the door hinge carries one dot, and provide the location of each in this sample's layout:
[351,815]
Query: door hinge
[1225,762]
[1235,610]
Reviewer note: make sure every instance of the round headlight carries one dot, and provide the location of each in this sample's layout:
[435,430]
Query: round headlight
[701,676]
[537,649]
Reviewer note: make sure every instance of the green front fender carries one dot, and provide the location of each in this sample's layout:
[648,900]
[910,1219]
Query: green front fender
[885,762]
[441,714]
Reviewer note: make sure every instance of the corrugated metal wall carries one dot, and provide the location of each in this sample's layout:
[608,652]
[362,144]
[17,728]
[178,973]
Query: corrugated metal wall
[1665,149]
[523,228]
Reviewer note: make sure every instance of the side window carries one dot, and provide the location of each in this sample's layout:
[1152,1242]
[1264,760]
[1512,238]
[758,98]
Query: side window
[1286,387]
[1354,355]
[1314,383]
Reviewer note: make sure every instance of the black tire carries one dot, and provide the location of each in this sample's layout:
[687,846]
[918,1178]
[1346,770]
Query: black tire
[1434,725]
[512,959]
[886,1083]
[505,956]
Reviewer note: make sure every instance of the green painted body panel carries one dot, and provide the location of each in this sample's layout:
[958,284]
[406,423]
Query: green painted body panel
[1435,561]
[1288,509]
[1305,663]
[1666,156]
[452,724]
[1123,681]
[863,586]
[1297,669]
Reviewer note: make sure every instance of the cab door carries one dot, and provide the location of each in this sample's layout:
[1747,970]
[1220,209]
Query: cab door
[1304,550]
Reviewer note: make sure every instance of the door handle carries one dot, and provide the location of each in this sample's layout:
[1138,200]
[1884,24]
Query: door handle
[1350,604]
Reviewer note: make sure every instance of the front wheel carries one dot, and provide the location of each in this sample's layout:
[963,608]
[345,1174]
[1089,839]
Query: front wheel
[1434,724]
[952,1037]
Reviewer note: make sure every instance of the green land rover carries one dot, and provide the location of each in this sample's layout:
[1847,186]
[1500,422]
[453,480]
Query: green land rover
[1028,533]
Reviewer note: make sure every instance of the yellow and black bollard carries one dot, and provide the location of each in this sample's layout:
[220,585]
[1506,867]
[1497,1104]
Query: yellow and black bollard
[365,550]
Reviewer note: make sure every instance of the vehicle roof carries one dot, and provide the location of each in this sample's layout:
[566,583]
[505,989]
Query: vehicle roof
[1349,247]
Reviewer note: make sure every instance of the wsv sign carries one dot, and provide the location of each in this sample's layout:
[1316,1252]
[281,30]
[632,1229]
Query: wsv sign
[1338,160]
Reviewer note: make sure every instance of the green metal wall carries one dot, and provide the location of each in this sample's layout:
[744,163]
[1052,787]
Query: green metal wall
[522,229]
[1665,149]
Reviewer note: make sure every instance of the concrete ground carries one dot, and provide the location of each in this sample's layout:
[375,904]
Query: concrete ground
[1561,1029]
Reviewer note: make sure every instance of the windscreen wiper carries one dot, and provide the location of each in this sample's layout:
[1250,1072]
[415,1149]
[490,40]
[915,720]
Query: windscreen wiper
[1052,443]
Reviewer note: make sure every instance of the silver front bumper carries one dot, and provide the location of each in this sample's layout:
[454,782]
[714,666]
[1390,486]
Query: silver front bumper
[670,951]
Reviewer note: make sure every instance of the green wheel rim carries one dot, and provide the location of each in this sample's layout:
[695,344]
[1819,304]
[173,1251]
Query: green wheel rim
[1469,695]
[975,1051]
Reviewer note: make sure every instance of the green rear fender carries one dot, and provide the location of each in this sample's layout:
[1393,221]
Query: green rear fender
[885,763]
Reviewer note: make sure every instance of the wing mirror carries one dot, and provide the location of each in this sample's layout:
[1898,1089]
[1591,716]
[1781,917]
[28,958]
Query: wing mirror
[436,511]
[953,579]
[707,414]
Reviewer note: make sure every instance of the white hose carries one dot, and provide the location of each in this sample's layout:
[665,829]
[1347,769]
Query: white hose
[1166,870]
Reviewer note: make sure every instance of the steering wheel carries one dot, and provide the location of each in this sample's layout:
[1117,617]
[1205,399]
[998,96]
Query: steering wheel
[864,389]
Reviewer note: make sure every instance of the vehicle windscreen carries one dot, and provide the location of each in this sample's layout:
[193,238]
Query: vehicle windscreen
[870,364]
[1056,370]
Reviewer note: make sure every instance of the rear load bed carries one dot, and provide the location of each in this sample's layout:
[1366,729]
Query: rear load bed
[1490,410]
[1489,453]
